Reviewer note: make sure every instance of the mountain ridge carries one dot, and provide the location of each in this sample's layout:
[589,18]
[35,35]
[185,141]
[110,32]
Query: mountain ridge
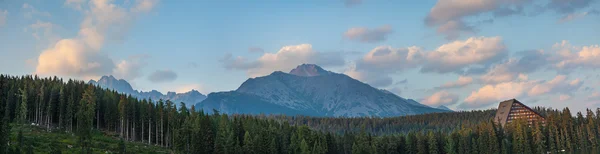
[310,90]
[122,86]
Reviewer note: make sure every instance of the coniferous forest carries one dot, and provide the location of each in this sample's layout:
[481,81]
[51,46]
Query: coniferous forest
[82,110]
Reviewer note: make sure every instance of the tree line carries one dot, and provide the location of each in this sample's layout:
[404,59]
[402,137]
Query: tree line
[79,108]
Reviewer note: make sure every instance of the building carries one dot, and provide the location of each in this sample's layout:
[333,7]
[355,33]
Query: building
[511,110]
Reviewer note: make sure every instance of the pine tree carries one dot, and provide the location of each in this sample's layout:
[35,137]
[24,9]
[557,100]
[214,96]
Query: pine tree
[304,149]
[85,116]
[433,145]
[62,103]
[273,147]
[69,112]
[248,144]
[451,143]
[22,109]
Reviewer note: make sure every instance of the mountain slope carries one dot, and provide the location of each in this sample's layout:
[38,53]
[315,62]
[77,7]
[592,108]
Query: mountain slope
[110,82]
[444,108]
[310,90]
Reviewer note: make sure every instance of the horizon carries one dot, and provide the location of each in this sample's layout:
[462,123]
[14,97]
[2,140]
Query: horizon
[468,56]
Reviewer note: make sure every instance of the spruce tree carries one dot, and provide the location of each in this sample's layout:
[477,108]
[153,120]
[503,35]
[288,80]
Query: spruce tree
[85,117]
[433,145]
[248,144]
[22,109]
[304,149]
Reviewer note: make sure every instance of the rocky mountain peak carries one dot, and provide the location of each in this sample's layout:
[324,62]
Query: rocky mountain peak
[309,70]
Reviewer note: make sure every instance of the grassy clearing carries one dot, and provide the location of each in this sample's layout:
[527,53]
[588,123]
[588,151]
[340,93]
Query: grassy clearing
[38,140]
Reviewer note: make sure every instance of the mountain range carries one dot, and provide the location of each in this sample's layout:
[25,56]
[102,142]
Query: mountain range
[110,82]
[310,90]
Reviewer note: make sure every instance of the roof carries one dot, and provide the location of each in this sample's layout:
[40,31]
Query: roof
[504,109]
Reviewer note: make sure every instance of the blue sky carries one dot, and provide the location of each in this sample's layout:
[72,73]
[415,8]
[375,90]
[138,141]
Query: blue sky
[543,52]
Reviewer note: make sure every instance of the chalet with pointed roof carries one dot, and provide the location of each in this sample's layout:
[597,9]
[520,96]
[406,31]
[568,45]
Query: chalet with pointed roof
[511,110]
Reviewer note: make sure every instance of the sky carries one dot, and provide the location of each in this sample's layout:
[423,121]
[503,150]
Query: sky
[462,54]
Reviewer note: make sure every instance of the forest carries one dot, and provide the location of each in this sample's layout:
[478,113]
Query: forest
[83,110]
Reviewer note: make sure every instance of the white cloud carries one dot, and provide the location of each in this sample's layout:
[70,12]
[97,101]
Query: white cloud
[3,15]
[144,5]
[287,58]
[494,93]
[572,57]
[508,71]
[81,56]
[594,96]
[75,4]
[377,65]
[32,11]
[72,57]
[573,16]
[365,35]
[374,68]
[559,85]
[131,68]
[461,82]
[440,98]
[162,76]
[490,94]
[564,97]
[458,55]
[42,29]
[449,15]
[189,87]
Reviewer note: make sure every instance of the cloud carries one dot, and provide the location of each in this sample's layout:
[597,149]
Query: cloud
[350,3]
[130,69]
[568,6]
[162,76]
[190,87]
[32,11]
[75,4]
[43,29]
[558,85]
[573,16]
[517,67]
[81,56]
[573,57]
[374,68]
[144,5]
[71,57]
[449,15]
[453,29]
[564,97]
[377,65]
[461,82]
[287,58]
[491,94]
[440,98]
[3,15]
[365,35]
[594,96]
[457,55]
[255,50]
